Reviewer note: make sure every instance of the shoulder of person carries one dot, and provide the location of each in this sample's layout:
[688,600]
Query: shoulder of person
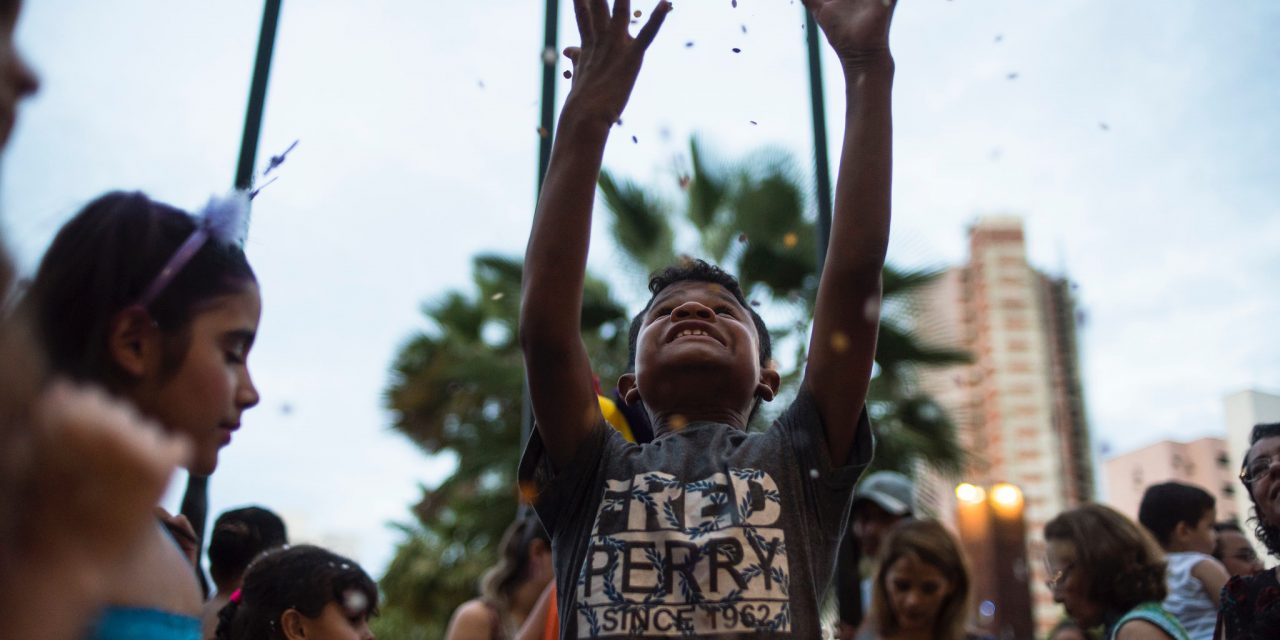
[1142,630]
[473,619]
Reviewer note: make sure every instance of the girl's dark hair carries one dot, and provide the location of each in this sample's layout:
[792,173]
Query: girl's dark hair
[239,536]
[303,578]
[1268,532]
[101,262]
[1168,504]
[501,580]
[1121,561]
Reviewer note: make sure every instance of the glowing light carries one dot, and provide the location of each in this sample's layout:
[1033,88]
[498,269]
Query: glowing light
[1006,496]
[970,494]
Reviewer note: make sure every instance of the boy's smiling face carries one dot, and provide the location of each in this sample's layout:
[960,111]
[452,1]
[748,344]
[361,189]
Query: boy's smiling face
[698,355]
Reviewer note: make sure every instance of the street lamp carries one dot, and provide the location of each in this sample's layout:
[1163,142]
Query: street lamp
[993,534]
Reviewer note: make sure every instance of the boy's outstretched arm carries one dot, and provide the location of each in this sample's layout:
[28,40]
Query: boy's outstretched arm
[846,316]
[605,68]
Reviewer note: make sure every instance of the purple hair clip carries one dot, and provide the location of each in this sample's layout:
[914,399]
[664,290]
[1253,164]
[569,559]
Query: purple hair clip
[224,220]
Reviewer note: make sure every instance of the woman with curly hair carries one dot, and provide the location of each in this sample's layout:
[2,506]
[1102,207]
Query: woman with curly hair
[1251,603]
[1106,570]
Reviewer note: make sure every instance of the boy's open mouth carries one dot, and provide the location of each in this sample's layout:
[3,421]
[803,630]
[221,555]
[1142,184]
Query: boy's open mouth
[692,330]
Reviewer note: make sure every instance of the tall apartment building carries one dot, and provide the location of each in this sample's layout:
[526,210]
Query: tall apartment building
[1202,462]
[1018,407]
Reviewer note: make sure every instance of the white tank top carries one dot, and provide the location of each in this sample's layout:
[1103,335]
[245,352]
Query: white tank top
[1188,601]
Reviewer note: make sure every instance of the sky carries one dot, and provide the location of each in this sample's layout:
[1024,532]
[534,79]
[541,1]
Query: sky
[1137,140]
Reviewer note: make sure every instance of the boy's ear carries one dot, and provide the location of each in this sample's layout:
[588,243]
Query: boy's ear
[131,338]
[770,380]
[627,388]
[291,625]
[1181,530]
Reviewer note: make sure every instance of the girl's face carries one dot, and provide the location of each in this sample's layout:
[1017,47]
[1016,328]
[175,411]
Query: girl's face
[917,590]
[205,397]
[335,623]
[17,81]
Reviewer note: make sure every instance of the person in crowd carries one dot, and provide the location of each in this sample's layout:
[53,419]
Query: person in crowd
[921,586]
[1181,518]
[880,501]
[1067,629]
[72,460]
[511,589]
[301,592]
[702,367]
[1251,603]
[239,536]
[1107,571]
[160,308]
[1234,551]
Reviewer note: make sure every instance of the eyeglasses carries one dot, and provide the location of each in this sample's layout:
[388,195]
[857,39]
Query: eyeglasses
[1056,578]
[1256,468]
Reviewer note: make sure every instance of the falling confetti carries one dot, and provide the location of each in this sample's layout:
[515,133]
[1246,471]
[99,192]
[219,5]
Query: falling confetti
[638,13]
[678,422]
[549,56]
[684,182]
[688,45]
[871,310]
[813,473]
[734,3]
[1104,126]
[1013,76]
[567,74]
[839,342]
[528,493]
[737,50]
[753,122]
[635,140]
[355,602]
[497,296]
[542,131]
[999,38]
[744,28]
[755,303]
[790,240]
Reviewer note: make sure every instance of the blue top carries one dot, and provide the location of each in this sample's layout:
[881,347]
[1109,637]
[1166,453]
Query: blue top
[121,623]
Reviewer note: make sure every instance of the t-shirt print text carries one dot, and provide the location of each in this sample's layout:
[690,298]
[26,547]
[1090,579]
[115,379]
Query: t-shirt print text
[673,558]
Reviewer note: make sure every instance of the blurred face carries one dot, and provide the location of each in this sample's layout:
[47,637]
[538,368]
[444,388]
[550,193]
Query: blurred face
[1264,483]
[1237,554]
[697,328]
[17,81]
[870,523]
[917,592]
[204,399]
[335,623]
[1202,537]
[1069,584]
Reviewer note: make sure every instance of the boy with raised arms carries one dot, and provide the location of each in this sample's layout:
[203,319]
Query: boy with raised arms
[708,531]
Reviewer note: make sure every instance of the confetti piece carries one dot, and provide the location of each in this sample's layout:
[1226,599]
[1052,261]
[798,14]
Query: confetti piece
[1013,76]
[542,131]
[737,50]
[839,342]
[567,74]
[734,3]
[744,28]
[355,602]
[678,422]
[871,310]
[619,122]
[755,303]
[688,45]
[684,182]
[549,56]
[1104,126]
[480,83]
[999,38]
[813,473]
[753,122]
[742,237]
[638,13]
[790,240]
[286,409]
[497,296]
[634,140]
[528,493]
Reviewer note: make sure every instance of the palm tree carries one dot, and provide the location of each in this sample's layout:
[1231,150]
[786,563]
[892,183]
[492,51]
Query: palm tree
[456,388]
[752,217]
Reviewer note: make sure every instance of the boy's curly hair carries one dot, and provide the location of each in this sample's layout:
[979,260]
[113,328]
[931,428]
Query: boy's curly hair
[697,270]
[1121,562]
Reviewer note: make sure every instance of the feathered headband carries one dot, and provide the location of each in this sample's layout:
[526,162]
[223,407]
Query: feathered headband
[224,220]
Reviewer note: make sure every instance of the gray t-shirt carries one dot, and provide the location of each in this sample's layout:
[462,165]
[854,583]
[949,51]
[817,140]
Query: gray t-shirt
[708,531]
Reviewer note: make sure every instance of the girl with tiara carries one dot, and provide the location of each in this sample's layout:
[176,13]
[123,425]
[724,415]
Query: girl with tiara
[71,459]
[301,592]
[160,308]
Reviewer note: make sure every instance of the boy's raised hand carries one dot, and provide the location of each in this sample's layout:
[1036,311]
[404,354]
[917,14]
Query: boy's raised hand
[855,28]
[607,64]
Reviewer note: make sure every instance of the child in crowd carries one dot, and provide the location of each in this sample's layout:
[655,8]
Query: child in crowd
[71,459]
[708,531]
[922,586]
[239,536]
[301,592]
[1181,518]
[160,308]
[1234,550]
